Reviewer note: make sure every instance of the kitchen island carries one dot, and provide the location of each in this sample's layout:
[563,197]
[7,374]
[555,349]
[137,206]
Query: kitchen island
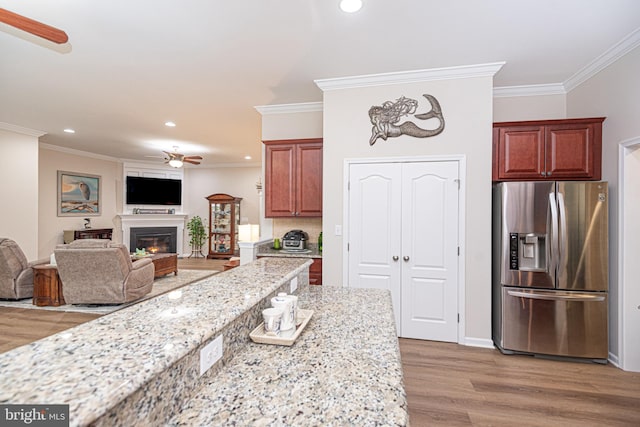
[344,369]
[140,365]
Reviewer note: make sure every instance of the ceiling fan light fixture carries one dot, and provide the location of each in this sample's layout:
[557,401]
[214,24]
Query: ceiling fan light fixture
[350,6]
[175,163]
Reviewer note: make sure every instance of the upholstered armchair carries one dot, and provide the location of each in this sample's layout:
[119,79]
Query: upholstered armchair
[16,275]
[98,271]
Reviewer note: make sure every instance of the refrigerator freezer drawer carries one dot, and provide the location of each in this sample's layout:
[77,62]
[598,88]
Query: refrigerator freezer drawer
[559,323]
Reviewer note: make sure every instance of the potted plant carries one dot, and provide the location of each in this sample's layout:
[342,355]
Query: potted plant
[197,234]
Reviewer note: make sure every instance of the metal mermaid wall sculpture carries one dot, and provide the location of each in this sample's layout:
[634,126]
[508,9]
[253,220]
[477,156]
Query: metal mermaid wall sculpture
[385,118]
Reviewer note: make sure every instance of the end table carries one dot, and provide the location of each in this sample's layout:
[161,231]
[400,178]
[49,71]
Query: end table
[47,287]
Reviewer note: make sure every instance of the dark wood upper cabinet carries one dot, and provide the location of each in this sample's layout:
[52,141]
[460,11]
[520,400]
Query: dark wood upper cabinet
[569,149]
[293,178]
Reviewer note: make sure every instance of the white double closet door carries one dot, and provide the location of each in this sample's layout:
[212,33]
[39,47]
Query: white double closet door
[403,236]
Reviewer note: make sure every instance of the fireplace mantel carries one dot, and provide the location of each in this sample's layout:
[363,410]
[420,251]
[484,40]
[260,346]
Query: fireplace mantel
[126,221]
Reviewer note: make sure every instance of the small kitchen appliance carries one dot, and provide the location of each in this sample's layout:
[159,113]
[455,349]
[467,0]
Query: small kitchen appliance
[295,240]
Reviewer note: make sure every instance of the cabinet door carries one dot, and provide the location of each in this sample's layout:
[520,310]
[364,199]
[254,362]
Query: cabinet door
[315,272]
[309,180]
[521,152]
[279,180]
[570,151]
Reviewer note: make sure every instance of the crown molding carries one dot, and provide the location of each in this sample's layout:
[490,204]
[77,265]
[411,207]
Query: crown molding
[78,152]
[21,130]
[610,56]
[529,90]
[301,107]
[466,71]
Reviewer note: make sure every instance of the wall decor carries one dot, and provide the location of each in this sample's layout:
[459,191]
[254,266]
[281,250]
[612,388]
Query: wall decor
[78,194]
[385,119]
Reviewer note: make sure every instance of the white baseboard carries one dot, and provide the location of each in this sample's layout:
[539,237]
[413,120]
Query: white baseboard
[477,342]
[613,359]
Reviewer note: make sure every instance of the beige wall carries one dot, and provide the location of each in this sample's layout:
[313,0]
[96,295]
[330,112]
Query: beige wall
[19,190]
[467,107]
[540,107]
[294,125]
[197,184]
[235,181]
[51,225]
[312,226]
[614,93]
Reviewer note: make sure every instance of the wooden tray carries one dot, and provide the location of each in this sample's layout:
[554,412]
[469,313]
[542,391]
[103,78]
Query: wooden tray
[258,335]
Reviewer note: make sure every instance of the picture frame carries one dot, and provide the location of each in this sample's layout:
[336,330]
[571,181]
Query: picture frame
[79,194]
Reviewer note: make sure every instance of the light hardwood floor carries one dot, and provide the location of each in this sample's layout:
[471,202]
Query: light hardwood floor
[20,326]
[453,385]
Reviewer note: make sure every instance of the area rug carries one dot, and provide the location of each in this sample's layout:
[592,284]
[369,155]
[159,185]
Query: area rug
[160,286]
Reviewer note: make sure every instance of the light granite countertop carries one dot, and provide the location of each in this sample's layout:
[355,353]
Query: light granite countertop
[266,250]
[95,366]
[344,369]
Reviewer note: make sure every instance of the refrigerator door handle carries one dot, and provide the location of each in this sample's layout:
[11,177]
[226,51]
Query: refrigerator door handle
[550,297]
[562,238]
[554,233]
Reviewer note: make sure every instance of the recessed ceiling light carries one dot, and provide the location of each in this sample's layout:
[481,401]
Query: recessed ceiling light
[69,130]
[350,6]
[247,157]
[170,124]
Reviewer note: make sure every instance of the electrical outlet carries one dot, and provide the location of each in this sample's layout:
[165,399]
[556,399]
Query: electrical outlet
[294,284]
[210,354]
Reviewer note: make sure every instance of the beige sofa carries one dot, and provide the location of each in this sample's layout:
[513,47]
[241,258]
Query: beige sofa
[16,275]
[98,271]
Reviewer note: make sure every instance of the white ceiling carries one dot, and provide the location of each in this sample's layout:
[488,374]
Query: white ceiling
[131,65]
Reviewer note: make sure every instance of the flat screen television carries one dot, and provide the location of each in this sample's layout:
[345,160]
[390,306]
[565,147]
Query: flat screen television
[153,191]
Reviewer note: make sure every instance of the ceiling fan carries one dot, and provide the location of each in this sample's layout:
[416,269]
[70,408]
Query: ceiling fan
[33,27]
[176,159]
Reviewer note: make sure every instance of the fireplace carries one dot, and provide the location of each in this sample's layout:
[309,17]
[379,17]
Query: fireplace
[154,239]
[127,222]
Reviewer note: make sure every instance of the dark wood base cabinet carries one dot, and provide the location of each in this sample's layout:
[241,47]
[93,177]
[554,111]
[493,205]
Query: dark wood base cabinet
[568,149]
[315,272]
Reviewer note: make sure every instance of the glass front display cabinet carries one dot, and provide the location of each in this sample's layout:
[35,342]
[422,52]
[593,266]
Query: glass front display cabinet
[224,219]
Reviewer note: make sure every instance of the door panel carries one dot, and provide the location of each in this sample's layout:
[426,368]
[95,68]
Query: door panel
[309,180]
[430,251]
[399,210]
[279,179]
[374,229]
[526,212]
[555,322]
[583,243]
[426,300]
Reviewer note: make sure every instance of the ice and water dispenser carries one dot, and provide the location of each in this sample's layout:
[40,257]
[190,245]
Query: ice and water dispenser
[527,252]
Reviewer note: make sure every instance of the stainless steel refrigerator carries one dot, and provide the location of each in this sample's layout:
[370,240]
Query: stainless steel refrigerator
[550,268]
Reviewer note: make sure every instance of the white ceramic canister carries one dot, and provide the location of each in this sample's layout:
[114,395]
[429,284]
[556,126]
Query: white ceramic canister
[294,300]
[286,305]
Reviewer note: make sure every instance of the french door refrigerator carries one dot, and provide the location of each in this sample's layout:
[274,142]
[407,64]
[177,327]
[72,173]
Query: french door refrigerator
[550,268]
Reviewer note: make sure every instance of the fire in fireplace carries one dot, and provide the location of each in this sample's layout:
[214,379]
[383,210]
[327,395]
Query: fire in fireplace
[154,239]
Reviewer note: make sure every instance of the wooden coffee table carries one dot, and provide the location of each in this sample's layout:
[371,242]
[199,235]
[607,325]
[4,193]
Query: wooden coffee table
[165,264]
[47,286]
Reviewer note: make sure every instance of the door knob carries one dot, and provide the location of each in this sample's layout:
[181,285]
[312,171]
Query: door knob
[406,258]
[395,257]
